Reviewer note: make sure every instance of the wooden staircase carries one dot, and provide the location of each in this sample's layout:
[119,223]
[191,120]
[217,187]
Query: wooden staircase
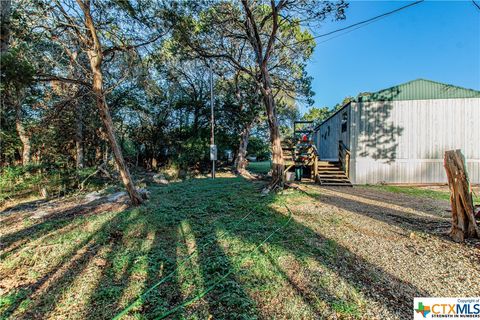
[330,173]
[304,154]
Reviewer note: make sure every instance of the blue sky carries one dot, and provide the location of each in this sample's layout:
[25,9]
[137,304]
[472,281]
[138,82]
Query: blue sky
[436,40]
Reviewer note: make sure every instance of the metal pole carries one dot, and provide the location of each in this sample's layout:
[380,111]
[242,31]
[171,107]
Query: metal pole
[212,138]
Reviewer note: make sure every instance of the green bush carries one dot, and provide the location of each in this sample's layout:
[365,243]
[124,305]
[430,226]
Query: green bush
[259,148]
[22,181]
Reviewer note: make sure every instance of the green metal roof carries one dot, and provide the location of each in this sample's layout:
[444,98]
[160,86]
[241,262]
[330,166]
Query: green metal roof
[419,89]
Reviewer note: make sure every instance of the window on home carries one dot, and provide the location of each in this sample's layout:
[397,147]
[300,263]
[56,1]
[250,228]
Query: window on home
[344,121]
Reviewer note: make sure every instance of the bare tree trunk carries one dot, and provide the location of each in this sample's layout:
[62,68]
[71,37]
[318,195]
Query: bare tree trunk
[240,163]
[22,133]
[95,55]
[463,215]
[117,152]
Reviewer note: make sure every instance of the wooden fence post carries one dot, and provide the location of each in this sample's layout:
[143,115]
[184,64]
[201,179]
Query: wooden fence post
[463,215]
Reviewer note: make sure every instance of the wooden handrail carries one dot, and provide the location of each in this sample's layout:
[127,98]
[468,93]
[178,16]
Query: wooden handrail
[344,157]
[343,146]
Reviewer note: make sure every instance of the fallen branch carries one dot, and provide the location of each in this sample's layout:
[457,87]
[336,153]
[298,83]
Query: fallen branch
[101,169]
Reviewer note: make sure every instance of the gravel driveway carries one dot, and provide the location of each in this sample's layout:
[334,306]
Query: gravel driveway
[393,246]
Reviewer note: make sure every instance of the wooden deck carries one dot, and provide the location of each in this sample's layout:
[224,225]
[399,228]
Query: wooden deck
[326,173]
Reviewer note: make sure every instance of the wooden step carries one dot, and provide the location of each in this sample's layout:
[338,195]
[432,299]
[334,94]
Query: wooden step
[336,179]
[330,172]
[337,184]
[323,164]
[329,169]
[333,176]
[333,179]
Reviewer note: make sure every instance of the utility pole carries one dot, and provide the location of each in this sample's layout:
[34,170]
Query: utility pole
[213,147]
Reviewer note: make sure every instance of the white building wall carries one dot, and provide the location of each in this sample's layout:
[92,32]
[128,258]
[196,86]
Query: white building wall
[404,141]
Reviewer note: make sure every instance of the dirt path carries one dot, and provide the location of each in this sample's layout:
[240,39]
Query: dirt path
[401,235]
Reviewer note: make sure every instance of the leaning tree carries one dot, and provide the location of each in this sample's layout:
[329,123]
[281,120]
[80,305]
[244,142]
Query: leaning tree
[102,31]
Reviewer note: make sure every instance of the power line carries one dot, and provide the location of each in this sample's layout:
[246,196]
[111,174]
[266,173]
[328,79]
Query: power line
[344,33]
[476,4]
[364,22]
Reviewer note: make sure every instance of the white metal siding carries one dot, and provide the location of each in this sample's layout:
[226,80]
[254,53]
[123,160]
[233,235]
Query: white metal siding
[404,141]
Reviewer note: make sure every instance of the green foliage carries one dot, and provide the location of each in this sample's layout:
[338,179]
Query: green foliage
[261,167]
[17,71]
[317,115]
[158,93]
[194,150]
[17,182]
[258,147]
[345,100]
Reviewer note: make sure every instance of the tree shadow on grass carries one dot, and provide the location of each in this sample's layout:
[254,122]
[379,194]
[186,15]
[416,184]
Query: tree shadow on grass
[61,276]
[22,206]
[375,283]
[208,263]
[229,297]
[436,226]
[162,260]
[10,243]
[209,207]
[123,263]
[407,201]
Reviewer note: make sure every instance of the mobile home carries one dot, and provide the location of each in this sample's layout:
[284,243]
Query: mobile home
[399,135]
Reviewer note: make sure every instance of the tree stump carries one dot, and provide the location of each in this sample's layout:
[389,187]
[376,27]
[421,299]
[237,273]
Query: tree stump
[463,215]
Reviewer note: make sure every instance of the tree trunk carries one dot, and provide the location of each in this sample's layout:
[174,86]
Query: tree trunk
[79,136]
[95,56]
[263,54]
[240,163]
[22,133]
[108,124]
[275,138]
[463,215]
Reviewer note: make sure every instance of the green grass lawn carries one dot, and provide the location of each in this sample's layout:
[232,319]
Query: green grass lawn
[421,192]
[262,167]
[91,266]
